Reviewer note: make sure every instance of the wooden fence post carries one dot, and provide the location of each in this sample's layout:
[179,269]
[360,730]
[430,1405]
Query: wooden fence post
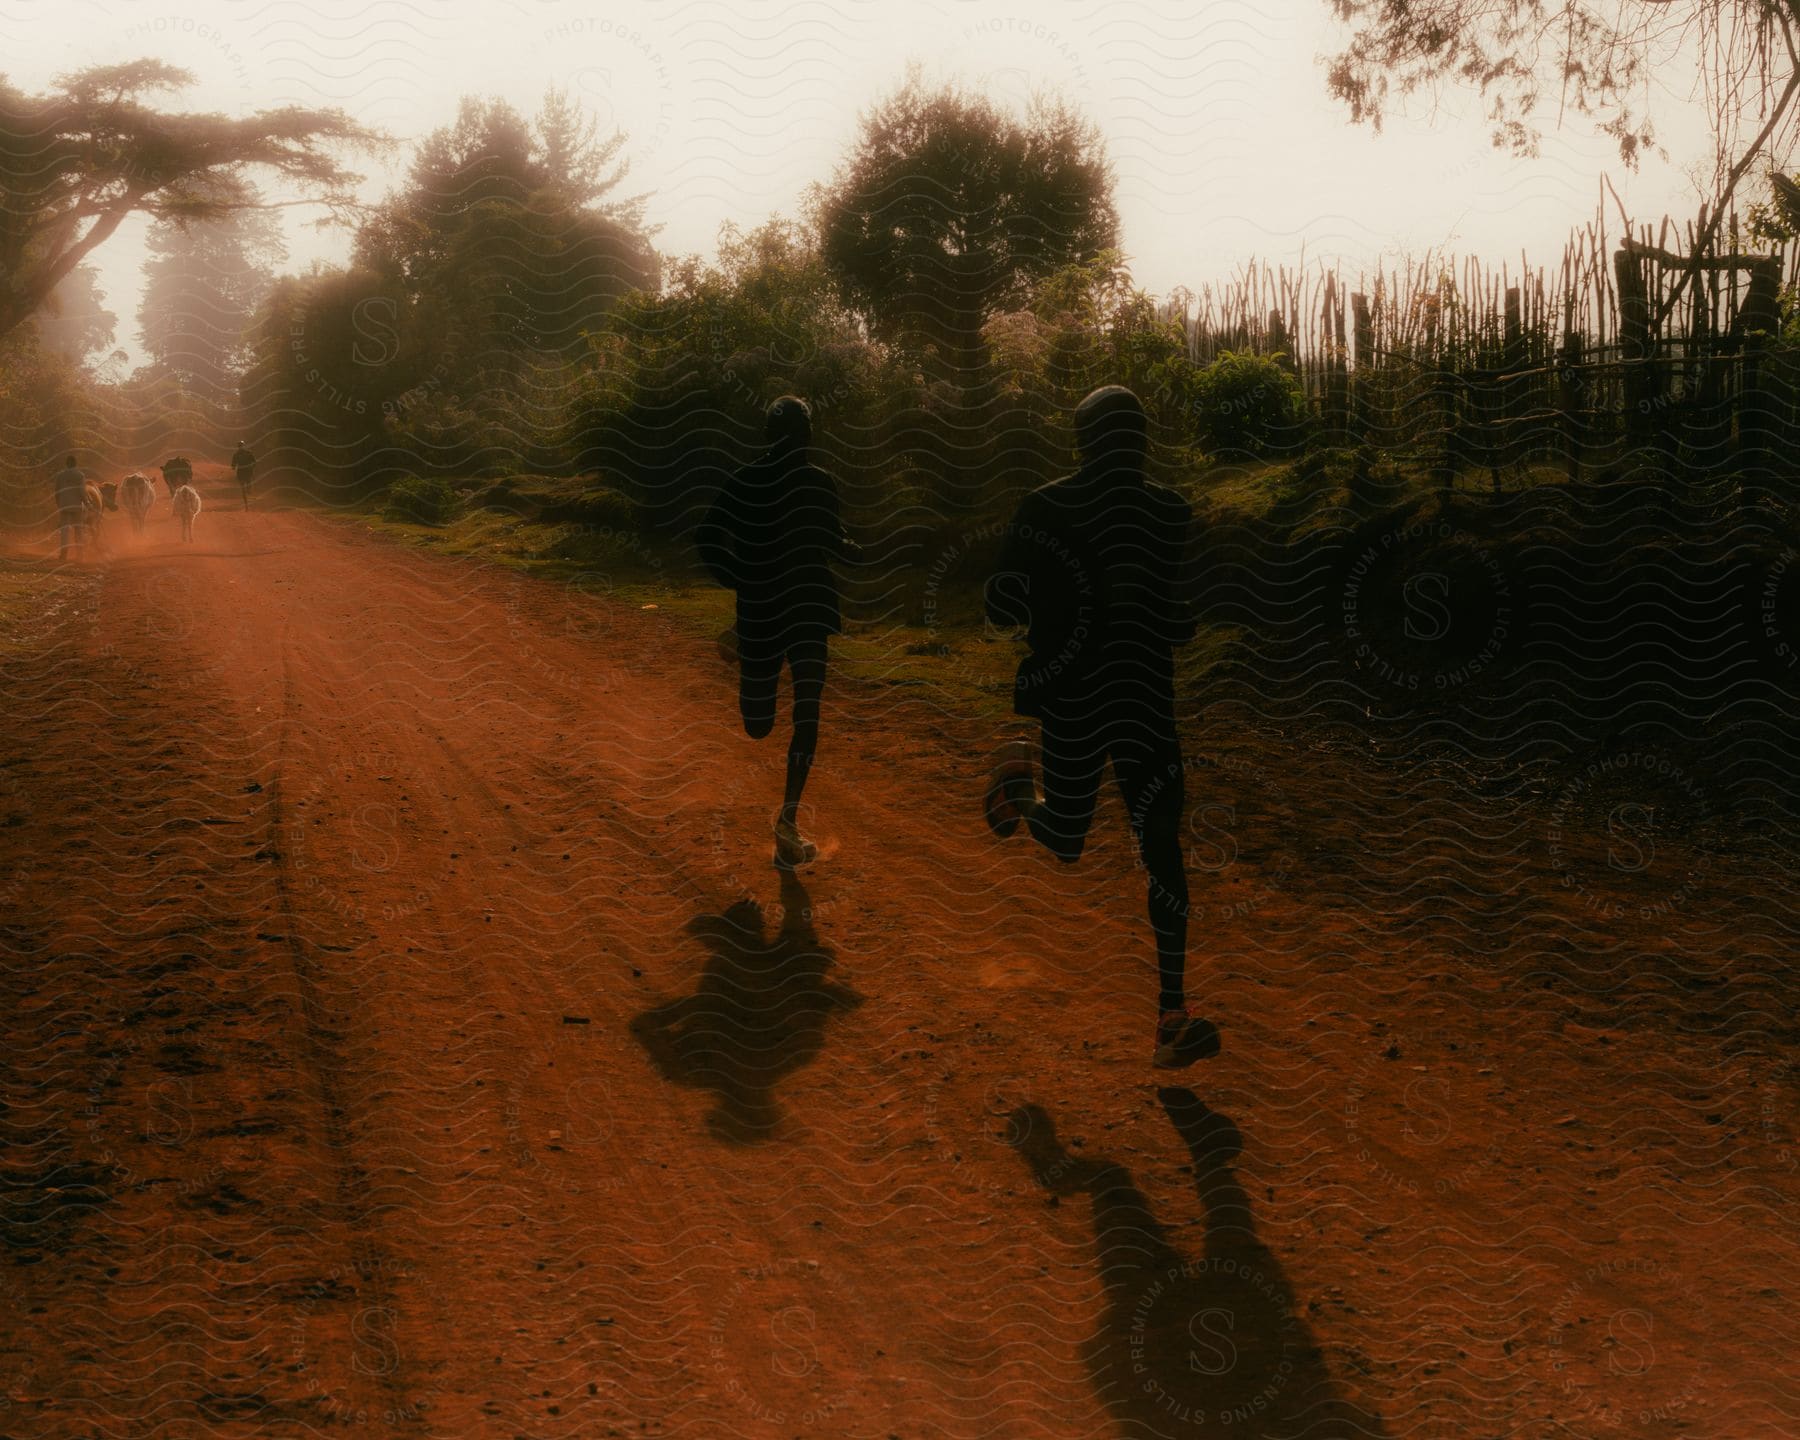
[1364,332]
[1492,410]
[1279,343]
[1571,400]
[1337,371]
[1444,405]
[1761,318]
[1634,344]
[1513,358]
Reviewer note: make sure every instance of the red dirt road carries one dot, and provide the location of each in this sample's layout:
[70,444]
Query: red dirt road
[395,1046]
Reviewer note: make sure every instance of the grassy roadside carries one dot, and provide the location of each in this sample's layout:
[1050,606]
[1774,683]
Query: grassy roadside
[943,652]
[912,615]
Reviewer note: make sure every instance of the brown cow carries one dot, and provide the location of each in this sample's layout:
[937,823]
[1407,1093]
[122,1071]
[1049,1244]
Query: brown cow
[93,506]
[139,496]
[187,506]
[176,473]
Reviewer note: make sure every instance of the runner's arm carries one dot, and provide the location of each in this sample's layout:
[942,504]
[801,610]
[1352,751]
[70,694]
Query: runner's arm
[1007,595]
[717,536]
[1183,623]
[845,548]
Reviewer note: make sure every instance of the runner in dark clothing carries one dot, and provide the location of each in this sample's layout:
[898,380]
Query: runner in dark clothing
[772,535]
[70,484]
[1091,567]
[244,463]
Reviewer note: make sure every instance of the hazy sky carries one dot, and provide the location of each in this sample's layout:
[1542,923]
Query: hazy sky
[1225,141]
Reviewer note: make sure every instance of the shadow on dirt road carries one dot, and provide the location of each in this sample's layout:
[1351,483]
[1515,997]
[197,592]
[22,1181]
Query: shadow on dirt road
[758,1014]
[1191,1344]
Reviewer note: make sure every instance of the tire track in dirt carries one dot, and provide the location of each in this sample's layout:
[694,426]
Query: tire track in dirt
[176,1311]
[372,1263]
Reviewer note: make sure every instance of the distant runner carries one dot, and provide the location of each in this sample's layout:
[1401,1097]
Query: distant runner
[70,484]
[1091,567]
[244,463]
[772,536]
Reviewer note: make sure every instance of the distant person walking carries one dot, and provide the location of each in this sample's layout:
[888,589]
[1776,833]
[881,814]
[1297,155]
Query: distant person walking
[70,484]
[1090,567]
[244,464]
[772,535]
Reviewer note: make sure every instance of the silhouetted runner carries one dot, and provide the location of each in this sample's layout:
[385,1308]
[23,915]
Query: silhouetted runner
[70,484]
[244,463]
[1091,566]
[772,535]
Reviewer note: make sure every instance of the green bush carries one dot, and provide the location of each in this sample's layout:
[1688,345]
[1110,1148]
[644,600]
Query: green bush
[501,495]
[598,507]
[1248,404]
[421,501]
[1314,470]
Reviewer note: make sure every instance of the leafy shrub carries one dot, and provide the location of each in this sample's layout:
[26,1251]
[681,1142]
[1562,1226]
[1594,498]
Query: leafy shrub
[1248,404]
[501,495]
[599,507]
[1314,470]
[422,501]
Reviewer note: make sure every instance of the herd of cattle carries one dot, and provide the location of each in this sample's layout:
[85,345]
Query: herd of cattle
[136,496]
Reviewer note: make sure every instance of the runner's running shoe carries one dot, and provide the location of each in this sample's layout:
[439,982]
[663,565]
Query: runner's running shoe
[1011,789]
[792,849]
[1183,1037]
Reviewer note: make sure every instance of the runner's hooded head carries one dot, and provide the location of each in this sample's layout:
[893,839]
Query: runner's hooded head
[1112,432]
[787,425]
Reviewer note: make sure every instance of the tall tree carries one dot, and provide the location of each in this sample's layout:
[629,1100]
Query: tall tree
[317,384]
[76,162]
[203,285]
[1592,59]
[948,208]
[74,322]
[508,238]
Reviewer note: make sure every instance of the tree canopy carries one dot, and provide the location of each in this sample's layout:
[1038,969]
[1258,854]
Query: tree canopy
[202,287]
[948,208]
[677,377]
[448,340]
[76,162]
[1580,57]
[74,321]
[505,231]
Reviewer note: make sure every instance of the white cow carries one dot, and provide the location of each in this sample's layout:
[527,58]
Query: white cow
[187,506]
[137,495]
